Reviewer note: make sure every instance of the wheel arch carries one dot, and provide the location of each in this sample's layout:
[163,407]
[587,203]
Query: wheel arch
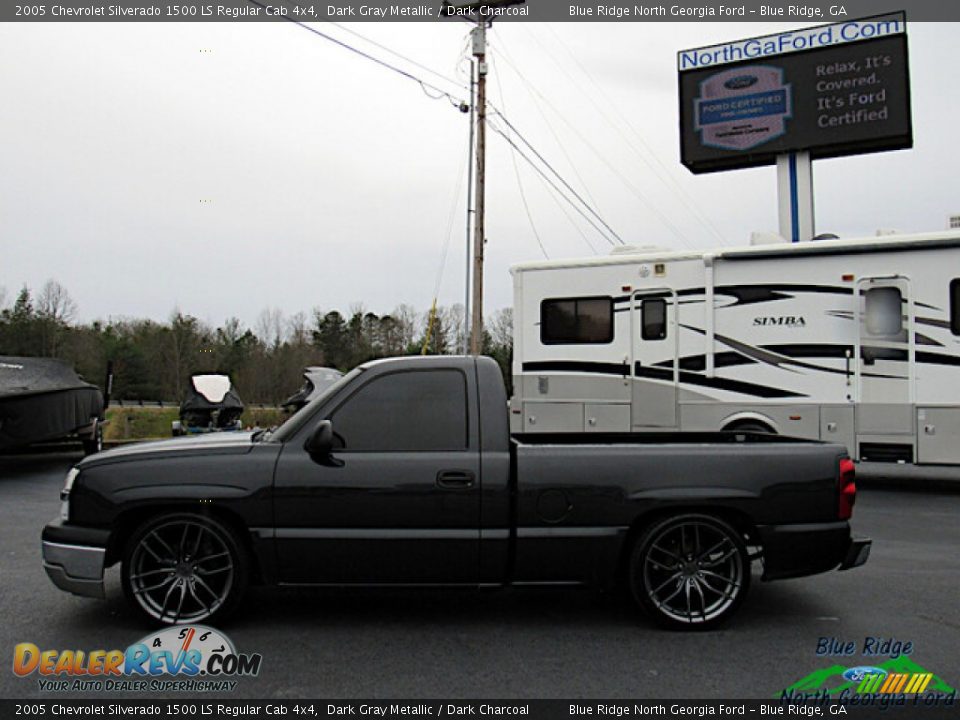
[130,521]
[737,519]
[733,422]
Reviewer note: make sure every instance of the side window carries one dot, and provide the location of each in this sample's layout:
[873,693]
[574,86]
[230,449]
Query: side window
[884,313]
[576,321]
[419,411]
[654,315]
[955,307]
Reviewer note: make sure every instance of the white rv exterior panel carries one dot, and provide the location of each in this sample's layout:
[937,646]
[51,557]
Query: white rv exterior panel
[767,332]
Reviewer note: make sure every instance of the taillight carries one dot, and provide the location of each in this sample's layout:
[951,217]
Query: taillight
[848,489]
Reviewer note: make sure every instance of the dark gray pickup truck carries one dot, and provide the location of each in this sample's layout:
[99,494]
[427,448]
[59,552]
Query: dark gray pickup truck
[404,473]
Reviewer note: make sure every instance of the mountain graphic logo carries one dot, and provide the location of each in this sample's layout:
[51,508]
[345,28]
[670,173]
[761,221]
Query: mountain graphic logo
[831,680]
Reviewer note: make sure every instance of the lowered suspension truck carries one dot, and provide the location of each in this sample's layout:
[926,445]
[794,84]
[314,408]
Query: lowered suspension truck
[404,473]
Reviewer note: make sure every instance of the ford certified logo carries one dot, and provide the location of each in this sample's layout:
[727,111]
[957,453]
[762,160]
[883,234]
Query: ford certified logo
[740,81]
[856,674]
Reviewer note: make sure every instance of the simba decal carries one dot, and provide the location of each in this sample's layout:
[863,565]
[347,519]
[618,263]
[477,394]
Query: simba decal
[793,321]
[741,108]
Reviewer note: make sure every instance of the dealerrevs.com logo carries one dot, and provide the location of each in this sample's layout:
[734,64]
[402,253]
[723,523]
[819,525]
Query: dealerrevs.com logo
[189,658]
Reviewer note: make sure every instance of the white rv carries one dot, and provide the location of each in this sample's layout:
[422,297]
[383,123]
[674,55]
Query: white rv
[855,341]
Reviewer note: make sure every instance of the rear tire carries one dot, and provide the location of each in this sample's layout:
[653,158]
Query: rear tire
[751,426]
[690,572]
[184,568]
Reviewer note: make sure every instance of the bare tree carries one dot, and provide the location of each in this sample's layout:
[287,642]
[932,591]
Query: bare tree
[270,327]
[55,303]
[500,327]
[298,330]
[455,318]
[55,309]
[407,321]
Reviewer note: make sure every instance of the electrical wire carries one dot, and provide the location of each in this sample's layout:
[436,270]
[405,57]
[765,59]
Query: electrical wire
[424,85]
[557,174]
[516,172]
[573,166]
[549,181]
[623,178]
[344,28]
[449,234]
[649,157]
[646,202]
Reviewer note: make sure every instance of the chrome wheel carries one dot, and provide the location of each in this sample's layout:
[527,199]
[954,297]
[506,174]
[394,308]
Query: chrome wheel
[182,569]
[691,571]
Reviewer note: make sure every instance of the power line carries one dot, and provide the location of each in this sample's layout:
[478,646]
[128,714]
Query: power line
[549,181]
[663,171]
[626,181]
[424,85]
[449,232]
[558,176]
[433,72]
[516,172]
[546,121]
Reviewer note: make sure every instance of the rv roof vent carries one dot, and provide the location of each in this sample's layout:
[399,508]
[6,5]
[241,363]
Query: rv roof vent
[826,236]
[766,238]
[953,222]
[638,249]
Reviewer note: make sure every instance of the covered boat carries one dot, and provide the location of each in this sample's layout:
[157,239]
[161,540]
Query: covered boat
[43,399]
[211,403]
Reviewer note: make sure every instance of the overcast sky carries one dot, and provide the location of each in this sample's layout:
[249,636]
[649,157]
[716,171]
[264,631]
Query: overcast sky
[224,168]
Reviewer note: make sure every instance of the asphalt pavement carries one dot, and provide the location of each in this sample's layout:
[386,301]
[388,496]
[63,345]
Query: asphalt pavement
[518,643]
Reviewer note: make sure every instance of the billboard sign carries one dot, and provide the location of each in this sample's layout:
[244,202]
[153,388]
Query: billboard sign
[833,90]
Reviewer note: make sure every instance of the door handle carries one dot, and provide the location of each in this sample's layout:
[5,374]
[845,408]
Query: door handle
[455,479]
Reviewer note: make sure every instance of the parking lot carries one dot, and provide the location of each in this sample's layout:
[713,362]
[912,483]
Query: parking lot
[512,643]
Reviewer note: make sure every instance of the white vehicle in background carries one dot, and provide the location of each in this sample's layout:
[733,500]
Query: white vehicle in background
[853,341]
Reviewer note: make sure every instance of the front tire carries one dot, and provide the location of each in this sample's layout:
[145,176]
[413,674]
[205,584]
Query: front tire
[690,572]
[184,568]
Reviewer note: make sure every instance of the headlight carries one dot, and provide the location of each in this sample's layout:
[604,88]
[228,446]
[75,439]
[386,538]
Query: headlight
[65,494]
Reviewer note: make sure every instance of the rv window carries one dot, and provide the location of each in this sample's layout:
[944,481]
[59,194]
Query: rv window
[570,321]
[884,311]
[654,312]
[955,307]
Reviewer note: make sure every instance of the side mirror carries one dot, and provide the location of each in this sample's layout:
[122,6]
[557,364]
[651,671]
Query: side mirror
[320,442]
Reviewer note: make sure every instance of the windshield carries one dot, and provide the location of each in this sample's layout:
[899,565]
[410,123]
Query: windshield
[303,415]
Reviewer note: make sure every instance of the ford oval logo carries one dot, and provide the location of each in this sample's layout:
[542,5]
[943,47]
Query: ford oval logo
[740,81]
[856,674]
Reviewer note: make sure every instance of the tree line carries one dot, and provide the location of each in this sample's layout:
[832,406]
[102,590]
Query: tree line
[154,360]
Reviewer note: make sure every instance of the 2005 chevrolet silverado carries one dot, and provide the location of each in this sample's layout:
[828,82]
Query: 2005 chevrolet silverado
[404,473]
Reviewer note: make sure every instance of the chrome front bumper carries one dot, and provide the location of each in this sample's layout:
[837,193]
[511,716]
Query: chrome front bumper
[75,568]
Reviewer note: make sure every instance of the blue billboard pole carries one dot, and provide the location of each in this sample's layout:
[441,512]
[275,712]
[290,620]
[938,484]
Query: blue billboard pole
[795,195]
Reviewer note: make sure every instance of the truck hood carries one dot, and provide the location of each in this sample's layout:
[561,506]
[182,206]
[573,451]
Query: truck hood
[222,443]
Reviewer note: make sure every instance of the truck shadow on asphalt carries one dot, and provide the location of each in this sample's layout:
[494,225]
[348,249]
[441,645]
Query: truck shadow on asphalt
[547,609]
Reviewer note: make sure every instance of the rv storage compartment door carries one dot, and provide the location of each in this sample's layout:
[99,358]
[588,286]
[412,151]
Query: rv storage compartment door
[938,433]
[606,417]
[552,417]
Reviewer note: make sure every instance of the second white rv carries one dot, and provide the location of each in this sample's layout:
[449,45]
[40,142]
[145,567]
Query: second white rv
[855,341]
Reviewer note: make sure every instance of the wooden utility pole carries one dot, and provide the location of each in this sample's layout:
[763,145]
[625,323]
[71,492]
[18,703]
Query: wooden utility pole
[479,237]
[484,12]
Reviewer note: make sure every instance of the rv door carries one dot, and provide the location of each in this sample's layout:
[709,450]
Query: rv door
[884,355]
[654,345]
